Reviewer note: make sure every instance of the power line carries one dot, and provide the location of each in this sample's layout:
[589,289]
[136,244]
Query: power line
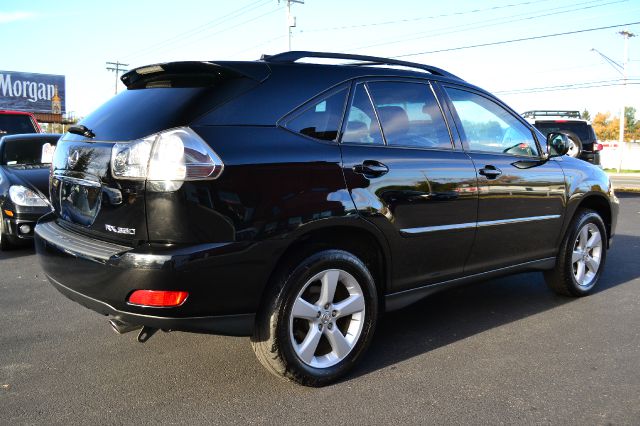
[616,66]
[571,86]
[118,68]
[492,22]
[236,53]
[516,40]
[401,21]
[235,26]
[199,29]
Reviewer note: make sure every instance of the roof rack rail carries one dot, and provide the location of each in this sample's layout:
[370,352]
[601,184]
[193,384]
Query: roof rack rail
[551,113]
[296,55]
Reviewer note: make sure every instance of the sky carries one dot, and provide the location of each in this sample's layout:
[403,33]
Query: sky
[76,38]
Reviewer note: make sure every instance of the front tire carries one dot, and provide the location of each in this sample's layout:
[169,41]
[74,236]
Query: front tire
[582,256]
[5,244]
[318,318]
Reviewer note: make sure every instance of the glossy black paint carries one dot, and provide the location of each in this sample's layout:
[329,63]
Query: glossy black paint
[34,177]
[87,197]
[280,191]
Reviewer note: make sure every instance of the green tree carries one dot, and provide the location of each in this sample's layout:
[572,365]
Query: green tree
[607,128]
[585,115]
[632,126]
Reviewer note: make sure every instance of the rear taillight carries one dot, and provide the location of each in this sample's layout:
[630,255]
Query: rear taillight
[168,158]
[158,298]
[598,147]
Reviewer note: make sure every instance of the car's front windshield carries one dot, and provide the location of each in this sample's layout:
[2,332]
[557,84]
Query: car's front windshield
[27,152]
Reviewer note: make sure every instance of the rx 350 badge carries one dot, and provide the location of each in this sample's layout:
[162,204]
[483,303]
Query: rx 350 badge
[119,230]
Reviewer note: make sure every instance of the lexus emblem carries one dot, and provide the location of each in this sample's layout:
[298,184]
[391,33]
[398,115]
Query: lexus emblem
[73,158]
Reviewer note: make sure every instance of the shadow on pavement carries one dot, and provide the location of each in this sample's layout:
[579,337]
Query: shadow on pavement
[26,250]
[456,314]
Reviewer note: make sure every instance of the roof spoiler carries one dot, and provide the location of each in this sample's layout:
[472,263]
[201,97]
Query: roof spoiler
[154,75]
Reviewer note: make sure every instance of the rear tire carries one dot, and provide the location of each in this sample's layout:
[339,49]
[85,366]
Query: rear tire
[318,318]
[581,258]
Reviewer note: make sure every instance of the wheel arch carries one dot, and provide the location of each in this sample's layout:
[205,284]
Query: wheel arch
[355,236]
[595,201]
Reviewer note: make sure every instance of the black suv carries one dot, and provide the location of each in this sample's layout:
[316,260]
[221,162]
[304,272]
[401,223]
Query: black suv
[295,202]
[583,143]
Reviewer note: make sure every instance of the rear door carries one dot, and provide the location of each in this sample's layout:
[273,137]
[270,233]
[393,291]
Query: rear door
[521,195]
[406,175]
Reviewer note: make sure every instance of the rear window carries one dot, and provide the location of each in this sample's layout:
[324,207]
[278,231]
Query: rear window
[581,129]
[136,113]
[11,124]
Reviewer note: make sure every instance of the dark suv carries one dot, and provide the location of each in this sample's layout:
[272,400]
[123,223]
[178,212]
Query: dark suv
[583,143]
[295,202]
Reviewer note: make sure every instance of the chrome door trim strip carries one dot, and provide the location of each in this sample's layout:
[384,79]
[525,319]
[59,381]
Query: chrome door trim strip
[457,226]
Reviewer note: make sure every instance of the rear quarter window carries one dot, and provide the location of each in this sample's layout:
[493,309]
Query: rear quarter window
[321,120]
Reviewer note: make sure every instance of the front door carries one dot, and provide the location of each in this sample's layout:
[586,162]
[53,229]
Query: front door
[407,177]
[521,195]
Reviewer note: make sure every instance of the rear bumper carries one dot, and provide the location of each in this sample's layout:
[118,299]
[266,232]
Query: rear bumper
[225,281]
[233,325]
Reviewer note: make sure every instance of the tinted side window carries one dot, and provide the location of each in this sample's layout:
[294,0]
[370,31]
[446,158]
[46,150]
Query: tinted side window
[410,115]
[490,128]
[322,119]
[362,124]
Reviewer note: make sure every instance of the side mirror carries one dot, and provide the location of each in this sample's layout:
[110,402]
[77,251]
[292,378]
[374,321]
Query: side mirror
[557,144]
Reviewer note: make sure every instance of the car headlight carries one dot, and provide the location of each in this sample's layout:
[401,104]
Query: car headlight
[22,196]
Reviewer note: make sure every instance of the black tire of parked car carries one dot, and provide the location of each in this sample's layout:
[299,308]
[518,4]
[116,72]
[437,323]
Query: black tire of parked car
[561,279]
[271,340]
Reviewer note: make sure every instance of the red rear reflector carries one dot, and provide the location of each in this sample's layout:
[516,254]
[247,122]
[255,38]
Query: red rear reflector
[158,298]
[598,147]
[561,121]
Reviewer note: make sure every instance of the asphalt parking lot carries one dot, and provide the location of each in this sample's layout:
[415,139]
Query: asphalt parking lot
[503,351]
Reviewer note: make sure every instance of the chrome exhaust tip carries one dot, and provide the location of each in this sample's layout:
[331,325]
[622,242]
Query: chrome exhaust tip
[122,327]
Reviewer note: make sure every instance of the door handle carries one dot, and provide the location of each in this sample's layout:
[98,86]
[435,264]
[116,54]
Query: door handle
[371,168]
[490,172]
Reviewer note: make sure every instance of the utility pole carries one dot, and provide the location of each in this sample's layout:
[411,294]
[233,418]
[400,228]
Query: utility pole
[118,68]
[291,20]
[625,59]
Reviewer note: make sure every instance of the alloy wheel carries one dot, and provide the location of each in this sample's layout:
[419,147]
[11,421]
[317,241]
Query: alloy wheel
[587,255]
[327,318]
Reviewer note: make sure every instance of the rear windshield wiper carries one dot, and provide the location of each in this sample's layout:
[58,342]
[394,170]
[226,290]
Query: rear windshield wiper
[82,131]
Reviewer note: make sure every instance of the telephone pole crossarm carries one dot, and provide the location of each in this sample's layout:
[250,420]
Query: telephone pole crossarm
[118,68]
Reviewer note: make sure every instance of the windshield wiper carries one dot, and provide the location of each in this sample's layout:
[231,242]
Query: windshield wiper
[82,131]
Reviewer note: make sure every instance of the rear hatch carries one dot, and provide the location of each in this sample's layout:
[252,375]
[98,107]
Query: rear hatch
[85,194]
